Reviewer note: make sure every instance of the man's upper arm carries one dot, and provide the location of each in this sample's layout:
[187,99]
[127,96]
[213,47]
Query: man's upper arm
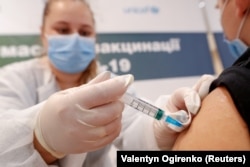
[217,126]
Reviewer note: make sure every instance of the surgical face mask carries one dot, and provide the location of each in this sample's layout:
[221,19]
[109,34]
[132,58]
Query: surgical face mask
[237,47]
[70,53]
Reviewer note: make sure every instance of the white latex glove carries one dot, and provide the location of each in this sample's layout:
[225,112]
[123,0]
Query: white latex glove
[203,84]
[84,118]
[184,102]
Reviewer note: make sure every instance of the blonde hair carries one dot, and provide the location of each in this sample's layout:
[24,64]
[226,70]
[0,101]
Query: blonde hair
[49,2]
[91,70]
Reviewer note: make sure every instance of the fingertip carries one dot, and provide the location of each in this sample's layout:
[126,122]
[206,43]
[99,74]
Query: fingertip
[126,79]
[129,79]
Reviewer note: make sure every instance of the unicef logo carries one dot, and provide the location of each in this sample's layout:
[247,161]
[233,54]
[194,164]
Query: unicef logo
[142,10]
[155,10]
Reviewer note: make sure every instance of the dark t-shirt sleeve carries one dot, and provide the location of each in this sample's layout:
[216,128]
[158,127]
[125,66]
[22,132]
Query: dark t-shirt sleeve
[236,79]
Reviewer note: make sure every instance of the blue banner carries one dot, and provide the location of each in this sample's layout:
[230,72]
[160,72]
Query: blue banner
[155,55]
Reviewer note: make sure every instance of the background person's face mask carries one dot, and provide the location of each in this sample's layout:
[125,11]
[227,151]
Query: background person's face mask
[70,53]
[237,47]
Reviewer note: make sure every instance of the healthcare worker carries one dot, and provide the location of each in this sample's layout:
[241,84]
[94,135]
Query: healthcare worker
[55,111]
[223,122]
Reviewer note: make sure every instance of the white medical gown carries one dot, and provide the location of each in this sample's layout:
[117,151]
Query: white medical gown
[23,88]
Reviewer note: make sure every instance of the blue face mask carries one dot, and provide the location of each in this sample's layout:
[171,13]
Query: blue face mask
[236,47]
[71,53]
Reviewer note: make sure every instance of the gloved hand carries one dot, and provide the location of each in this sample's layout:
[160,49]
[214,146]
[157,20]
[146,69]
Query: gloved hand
[181,105]
[84,118]
[203,84]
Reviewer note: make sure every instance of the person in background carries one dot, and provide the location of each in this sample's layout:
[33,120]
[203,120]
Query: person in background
[60,110]
[223,122]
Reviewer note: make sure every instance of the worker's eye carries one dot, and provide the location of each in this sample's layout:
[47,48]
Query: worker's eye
[63,30]
[85,33]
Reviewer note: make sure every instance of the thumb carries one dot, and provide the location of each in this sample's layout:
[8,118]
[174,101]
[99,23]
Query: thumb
[185,98]
[203,84]
[96,94]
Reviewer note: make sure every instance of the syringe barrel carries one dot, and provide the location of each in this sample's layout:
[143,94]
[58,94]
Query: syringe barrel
[142,106]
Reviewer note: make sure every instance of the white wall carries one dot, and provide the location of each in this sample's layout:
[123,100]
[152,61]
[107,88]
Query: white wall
[24,16]
[20,16]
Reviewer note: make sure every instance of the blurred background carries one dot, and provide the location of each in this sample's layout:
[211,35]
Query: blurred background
[165,44]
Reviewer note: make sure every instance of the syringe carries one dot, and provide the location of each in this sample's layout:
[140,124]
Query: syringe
[176,120]
[142,106]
